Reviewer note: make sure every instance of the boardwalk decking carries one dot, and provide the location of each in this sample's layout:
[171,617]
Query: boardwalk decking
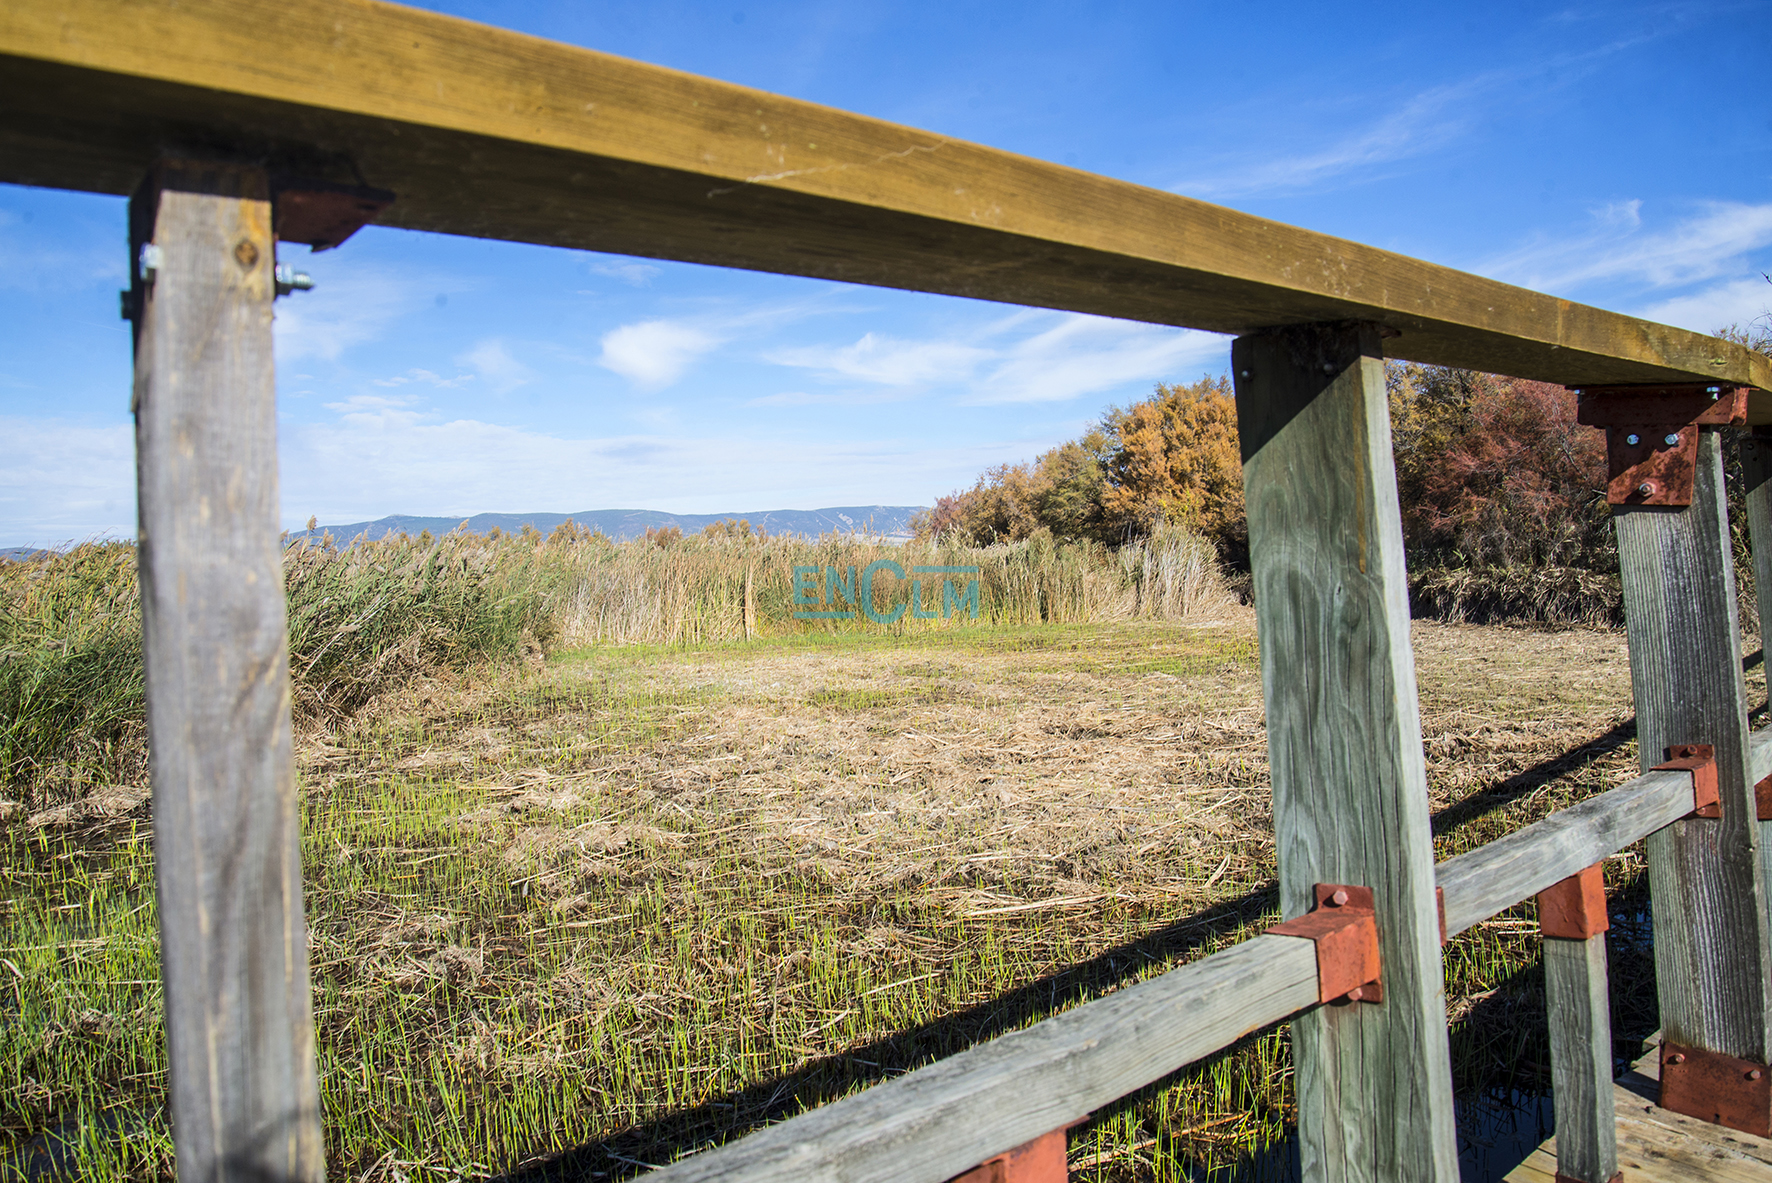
[1659,1146]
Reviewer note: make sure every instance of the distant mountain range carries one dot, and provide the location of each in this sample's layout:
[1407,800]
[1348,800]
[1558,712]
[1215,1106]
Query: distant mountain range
[891,522]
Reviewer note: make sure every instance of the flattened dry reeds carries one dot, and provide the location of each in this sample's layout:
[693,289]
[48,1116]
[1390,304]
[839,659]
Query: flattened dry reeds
[1519,595]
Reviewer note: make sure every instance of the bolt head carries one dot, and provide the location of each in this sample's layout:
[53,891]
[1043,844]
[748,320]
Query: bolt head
[1357,993]
[1671,439]
[1633,439]
[1328,367]
[1677,1058]
[1339,897]
[1754,1074]
[1647,488]
[1246,373]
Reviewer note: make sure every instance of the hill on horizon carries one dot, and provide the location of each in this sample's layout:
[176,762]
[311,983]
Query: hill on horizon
[891,522]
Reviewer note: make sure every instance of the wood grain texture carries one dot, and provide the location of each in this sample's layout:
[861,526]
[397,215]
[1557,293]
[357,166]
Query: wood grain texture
[233,943]
[494,134]
[1344,740]
[1656,1145]
[1578,1013]
[929,1125]
[1517,866]
[1756,471]
[1708,897]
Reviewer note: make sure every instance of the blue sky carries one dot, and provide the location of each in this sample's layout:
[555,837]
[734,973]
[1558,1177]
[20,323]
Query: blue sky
[1613,153]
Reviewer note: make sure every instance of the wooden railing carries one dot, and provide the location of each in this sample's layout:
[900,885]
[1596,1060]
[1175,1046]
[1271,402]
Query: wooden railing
[240,125]
[922,1126]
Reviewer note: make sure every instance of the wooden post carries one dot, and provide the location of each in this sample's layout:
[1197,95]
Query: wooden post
[1756,471]
[1572,918]
[1344,740]
[1708,899]
[1581,1058]
[233,945]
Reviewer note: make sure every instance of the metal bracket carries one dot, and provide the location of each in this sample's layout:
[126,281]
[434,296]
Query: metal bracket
[1574,908]
[1700,759]
[1652,435]
[320,213]
[1717,1088]
[1039,1161]
[1345,930]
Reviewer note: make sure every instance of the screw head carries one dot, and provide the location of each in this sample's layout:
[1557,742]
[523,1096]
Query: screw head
[1754,1074]
[1647,488]
[1671,439]
[1339,897]
[1633,439]
[1356,994]
[1677,1058]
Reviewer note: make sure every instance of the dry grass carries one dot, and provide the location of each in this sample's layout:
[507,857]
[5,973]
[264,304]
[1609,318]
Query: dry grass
[574,919]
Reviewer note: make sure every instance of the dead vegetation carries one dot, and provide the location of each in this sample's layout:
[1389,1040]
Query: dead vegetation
[572,920]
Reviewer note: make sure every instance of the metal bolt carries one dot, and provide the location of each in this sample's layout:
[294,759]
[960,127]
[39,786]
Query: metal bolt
[151,260]
[1754,1074]
[1328,367]
[1671,439]
[1633,439]
[1339,897]
[290,280]
[1647,488]
[1356,994]
[1246,373]
[1677,1058]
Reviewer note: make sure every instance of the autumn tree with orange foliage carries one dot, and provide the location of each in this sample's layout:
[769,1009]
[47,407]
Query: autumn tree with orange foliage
[1174,458]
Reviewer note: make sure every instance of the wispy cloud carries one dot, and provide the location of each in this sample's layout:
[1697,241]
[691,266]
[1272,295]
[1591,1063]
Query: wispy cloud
[630,272]
[654,353]
[356,306]
[1083,355]
[887,360]
[1422,123]
[65,482]
[428,377]
[1065,356]
[493,363]
[1738,302]
[1616,246]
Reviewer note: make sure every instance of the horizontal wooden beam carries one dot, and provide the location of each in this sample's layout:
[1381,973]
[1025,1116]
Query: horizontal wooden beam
[933,1123]
[493,134]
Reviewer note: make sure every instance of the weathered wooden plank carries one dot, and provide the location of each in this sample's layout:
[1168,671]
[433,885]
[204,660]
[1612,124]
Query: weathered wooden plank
[233,943]
[1756,471]
[494,134]
[1578,1012]
[1344,739]
[1708,898]
[933,1123]
[1496,876]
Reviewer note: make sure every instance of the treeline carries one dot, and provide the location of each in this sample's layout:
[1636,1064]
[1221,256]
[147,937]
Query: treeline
[1491,471]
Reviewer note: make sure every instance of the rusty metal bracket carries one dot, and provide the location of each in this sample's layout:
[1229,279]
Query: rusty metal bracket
[1652,435]
[1039,1161]
[1574,908]
[1763,800]
[1717,1088]
[1345,930]
[322,214]
[1700,759]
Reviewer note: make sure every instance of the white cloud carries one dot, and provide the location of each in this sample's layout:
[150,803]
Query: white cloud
[888,360]
[495,366]
[1616,247]
[1738,302]
[65,482]
[654,353]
